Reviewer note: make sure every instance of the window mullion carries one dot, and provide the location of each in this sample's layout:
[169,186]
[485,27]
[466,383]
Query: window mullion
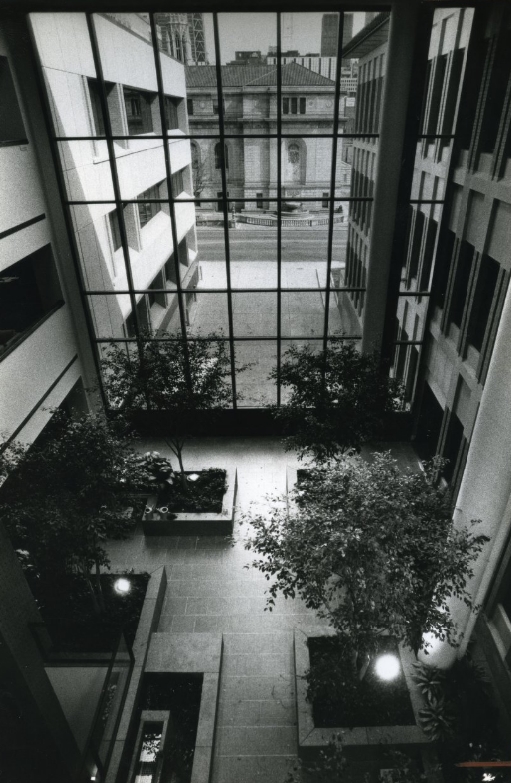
[332,176]
[113,169]
[170,194]
[223,172]
[279,207]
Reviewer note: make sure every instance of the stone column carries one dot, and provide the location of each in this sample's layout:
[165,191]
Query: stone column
[399,61]
[485,491]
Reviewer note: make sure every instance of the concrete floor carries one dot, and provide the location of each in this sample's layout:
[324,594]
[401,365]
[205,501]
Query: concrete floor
[210,589]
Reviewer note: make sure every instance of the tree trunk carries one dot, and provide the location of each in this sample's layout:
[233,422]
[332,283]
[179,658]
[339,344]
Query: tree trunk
[95,605]
[179,455]
[362,664]
[99,591]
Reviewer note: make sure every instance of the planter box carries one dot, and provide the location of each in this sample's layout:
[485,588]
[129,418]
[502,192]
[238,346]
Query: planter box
[193,653]
[194,524]
[362,744]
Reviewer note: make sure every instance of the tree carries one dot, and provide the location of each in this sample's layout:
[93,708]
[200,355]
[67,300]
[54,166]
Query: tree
[372,549]
[175,375]
[64,497]
[338,399]
[198,175]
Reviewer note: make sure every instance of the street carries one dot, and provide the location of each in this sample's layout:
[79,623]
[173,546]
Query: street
[298,244]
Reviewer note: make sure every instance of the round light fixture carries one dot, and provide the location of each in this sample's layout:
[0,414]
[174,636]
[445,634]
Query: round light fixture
[387,667]
[122,586]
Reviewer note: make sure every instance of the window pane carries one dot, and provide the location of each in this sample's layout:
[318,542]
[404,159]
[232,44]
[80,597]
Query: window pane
[253,245]
[306,167]
[112,315]
[308,71]
[249,82]
[253,384]
[207,314]
[87,175]
[97,236]
[201,77]
[303,314]
[254,314]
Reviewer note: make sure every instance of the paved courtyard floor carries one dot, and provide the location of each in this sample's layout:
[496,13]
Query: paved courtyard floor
[211,589]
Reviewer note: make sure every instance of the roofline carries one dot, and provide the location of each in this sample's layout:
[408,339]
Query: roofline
[365,33]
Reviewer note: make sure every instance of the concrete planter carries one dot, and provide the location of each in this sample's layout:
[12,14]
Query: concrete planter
[194,524]
[193,653]
[362,744]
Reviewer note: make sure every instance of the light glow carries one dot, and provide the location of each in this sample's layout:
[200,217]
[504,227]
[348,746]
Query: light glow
[387,667]
[122,586]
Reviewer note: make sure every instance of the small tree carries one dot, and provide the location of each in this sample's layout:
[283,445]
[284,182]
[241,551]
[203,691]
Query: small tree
[63,497]
[373,550]
[174,375]
[338,399]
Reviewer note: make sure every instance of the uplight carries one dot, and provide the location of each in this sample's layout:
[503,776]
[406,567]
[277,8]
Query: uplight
[387,667]
[122,586]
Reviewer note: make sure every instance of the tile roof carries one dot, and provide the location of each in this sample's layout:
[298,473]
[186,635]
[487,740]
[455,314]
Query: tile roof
[293,75]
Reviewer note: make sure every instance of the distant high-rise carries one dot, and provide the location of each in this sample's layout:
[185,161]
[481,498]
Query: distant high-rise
[329,33]
[329,30]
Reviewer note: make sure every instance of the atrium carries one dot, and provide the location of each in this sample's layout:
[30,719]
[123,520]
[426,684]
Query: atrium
[215,191]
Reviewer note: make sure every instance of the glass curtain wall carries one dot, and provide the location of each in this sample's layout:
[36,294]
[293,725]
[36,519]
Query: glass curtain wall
[221,190]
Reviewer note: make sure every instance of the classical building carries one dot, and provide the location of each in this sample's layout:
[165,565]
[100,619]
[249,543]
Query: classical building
[98,242]
[250,108]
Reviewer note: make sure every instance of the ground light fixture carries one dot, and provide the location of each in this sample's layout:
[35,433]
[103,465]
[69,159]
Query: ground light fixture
[122,586]
[387,667]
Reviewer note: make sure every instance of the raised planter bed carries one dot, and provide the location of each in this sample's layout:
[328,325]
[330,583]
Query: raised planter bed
[207,523]
[362,743]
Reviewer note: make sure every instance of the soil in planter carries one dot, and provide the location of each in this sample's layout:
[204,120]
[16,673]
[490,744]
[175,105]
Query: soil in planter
[181,695]
[340,699]
[205,495]
[68,613]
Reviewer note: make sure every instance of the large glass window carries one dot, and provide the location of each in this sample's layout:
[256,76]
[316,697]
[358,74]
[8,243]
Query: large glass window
[253,221]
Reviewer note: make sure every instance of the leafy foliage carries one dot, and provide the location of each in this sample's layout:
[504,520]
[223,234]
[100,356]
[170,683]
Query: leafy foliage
[372,549]
[430,680]
[462,716]
[332,766]
[64,496]
[168,375]
[338,399]
[176,375]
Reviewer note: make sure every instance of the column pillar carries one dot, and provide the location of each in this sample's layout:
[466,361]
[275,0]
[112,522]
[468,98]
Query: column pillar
[485,491]
[398,72]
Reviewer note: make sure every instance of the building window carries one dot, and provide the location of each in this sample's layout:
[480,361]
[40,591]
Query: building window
[259,201]
[138,111]
[294,105]
[98,122]
[462,277]
[482,302]
[189,106]
[146,209]
[172,113]
[218,156]
[113,219]
[324,202]
[177,183]
[154,297]
[216,106]
[29,290]
[12,130]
